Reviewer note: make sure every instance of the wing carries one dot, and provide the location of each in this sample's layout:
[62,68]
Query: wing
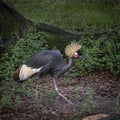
[45,69]
[43,57]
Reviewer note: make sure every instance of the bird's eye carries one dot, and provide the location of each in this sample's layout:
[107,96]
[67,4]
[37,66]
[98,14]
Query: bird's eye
[75,55]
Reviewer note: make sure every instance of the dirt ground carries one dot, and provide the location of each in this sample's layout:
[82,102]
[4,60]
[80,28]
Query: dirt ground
[94,94]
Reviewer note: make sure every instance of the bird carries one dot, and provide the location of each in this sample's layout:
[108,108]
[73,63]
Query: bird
[48,62]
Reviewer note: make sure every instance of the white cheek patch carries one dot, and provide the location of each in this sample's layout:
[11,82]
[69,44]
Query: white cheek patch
[76,54]
[27,72]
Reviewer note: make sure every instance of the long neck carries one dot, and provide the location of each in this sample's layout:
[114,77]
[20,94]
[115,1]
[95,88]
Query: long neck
[66,67]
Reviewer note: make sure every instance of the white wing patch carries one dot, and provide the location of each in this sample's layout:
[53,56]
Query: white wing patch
[27,72]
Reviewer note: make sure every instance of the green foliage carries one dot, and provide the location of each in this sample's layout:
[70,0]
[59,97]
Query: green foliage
[67,80]
[25,47]
[6,100]
[99,55]
[69,14]
[10,2]
[32,43]
[46,99]
[89,103]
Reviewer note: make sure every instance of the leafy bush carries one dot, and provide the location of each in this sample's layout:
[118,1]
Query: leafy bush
[24,48]
[21,51]
[99,55]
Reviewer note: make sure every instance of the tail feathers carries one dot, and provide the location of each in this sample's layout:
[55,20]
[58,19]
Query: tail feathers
[16,74]
[24,72]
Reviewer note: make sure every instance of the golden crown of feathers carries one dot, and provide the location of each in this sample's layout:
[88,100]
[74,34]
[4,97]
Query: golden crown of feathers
[72,48]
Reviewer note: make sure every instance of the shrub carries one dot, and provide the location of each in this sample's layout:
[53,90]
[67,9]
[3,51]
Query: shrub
[99,55]
[24,48]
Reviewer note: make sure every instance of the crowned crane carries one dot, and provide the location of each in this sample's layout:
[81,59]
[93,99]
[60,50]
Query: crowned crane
[48,62]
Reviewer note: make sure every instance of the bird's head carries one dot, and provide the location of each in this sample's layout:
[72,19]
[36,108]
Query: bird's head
[73,50]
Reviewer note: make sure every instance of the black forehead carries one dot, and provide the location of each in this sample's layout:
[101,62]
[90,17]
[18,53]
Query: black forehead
[79,52]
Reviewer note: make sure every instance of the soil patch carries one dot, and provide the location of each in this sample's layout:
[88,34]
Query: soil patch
[94,94]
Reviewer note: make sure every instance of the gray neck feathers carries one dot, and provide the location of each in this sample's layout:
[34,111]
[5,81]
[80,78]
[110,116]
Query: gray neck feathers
[66,67]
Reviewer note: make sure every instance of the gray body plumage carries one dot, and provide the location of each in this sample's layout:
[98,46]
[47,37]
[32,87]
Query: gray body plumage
[50,61]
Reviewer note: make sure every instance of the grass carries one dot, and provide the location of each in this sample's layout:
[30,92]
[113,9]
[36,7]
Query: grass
[70,15]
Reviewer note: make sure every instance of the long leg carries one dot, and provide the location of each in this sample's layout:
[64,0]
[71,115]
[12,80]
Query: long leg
[57,90]
[37,89]
[38,79]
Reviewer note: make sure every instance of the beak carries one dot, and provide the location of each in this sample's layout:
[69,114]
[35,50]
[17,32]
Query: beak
[80,57]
